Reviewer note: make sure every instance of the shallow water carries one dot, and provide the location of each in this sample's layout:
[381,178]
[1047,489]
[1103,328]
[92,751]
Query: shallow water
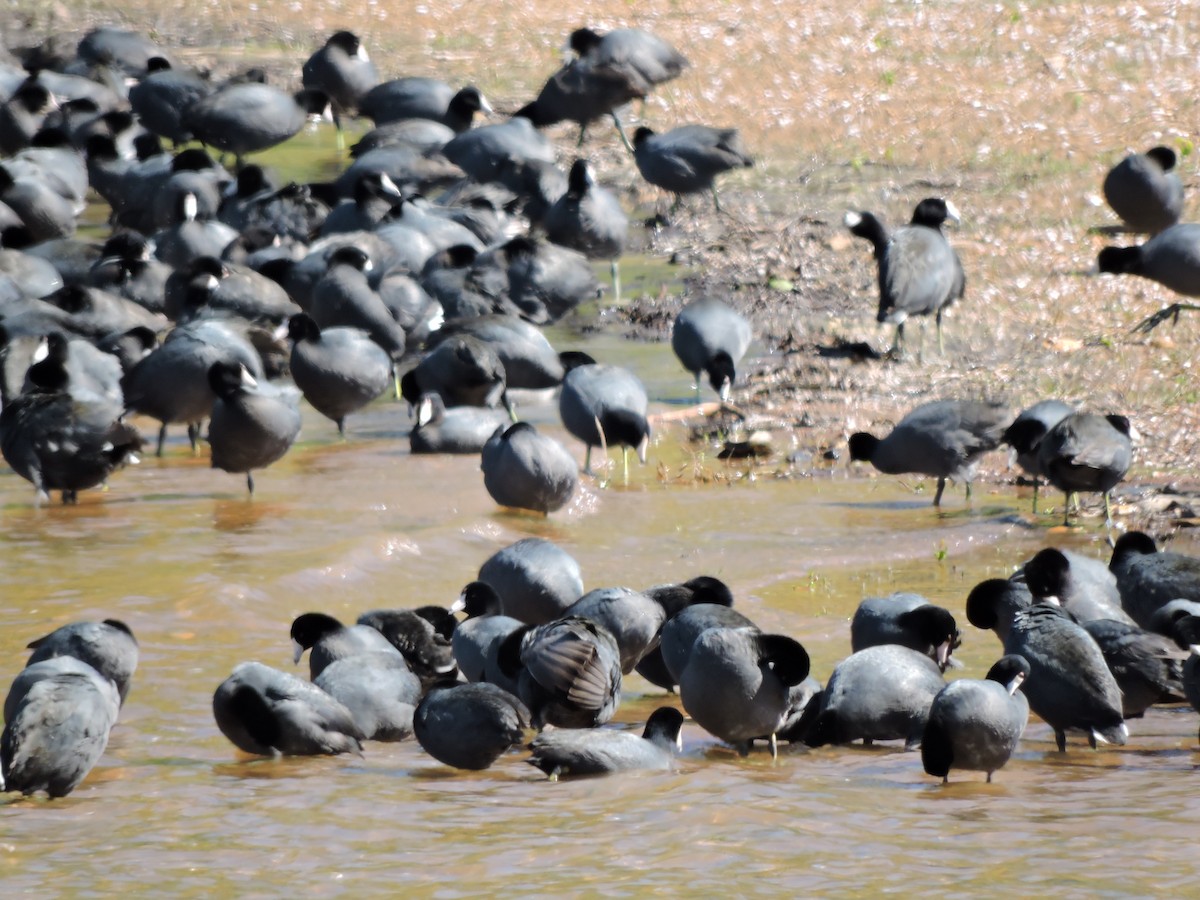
[208,577]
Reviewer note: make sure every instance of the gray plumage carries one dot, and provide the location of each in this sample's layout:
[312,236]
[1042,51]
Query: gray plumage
[1086,452]
[252,426]
[463,370]
[1147,666]
[1148,579]
[249,117]
[342,70]
[919,272]
[339,370]
[1144,191]
[328,640]
[529,359]
[1025,435]
[1171,257]
[109,647]
[525,469]
[909,620]
[344,297]
[975,724]
[1083,586]
[882,693]
[264,711]
[535,578]
[56,731]
[679,633]
[469,726]
[633,618]
[460,429]
[711,337]
[601,751]
[379,691]
[737,683]
[604,405]
[569,672]
[588,217]
[475,638]
[425,650]
[675,598]
[1070,685]
[484,152]
[423,98]
[944,439]
[687,159]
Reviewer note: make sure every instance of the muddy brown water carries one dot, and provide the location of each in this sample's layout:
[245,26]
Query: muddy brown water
[208,577]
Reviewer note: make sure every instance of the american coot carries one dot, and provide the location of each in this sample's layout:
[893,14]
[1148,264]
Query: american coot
[463,370]
[687,159]
[343,297]
[1148,667]
[1025,435]
[605,406]
[1144,191]
[264,711]
[944,439]
[535,578]
[328,640]
[460,429]
[247,118]
[593,751]
[1171,257]
[568,672]
[674,599]
[1070,685]
[681,630]
[607,72]
[378,689]
[171,383]
[483,153]
[974,724]
[160,99]
[475,638]
[56,441]
[546,281]
[588,218]
[424,98]
[737,682]
[711,337]
[427,652]
[339,370]
[909,620]
[1086,452]
[528,357]
[994,603]
[109,647]
[643,56]
[525,469]
[375,195]
[251,426]
[44,212]
[342,70]
[1083,586]
[1148,580]
[882,693]
[919,272]
[633,618]
[469,726]
[56,730]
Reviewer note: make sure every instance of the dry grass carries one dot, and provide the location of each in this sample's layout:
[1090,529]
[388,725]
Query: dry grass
[1012,109]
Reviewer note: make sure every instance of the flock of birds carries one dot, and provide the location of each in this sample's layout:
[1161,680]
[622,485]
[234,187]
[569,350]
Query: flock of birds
[1085,647]
[363,285]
